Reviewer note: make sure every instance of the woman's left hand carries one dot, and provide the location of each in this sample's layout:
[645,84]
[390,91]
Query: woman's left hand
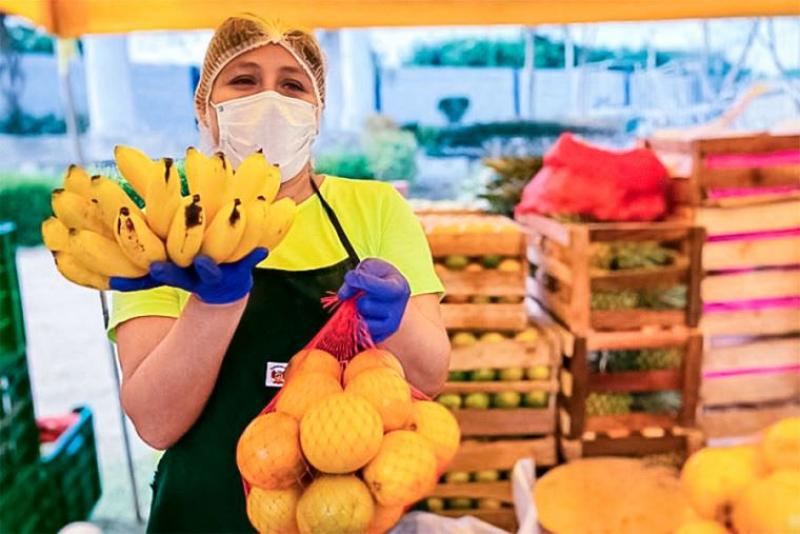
[385,296]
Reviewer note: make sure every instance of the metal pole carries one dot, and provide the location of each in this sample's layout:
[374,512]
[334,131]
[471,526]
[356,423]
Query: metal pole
[66,48]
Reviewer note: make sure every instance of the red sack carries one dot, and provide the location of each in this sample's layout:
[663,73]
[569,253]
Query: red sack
[580,179]
[347,445]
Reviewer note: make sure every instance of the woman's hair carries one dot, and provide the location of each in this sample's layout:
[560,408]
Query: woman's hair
[245,32]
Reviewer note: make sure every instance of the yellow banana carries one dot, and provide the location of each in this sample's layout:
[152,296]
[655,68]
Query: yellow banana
[102,255]
[111,197]
[77,181]
[206,177]
[55,235]
[78,212]
[186,231]
[256,215]
[222,236]
[74,271]
[136,167]
[255,177]
[137,240]
[163,197]
[279,219]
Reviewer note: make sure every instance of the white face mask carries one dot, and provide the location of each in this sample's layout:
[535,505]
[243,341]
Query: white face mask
[283,127]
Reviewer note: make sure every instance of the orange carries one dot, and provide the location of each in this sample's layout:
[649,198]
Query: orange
[335,504]
[434,422]
[403,471]
[268,453]
[273,511]
[313,361]
[305,390]
[388,392]
[370,359]
[384,518]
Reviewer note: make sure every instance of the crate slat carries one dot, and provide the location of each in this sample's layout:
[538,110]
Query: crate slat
[758,218]
[630,422]
[484,316]
[635,445]
[506,422]
[741,421]
[641,278]
[636,381]
[636,318]
[751,388]
[502,455]
[477,244]
[760,353]
[752,322]
[487,282]
[751,285]
[521,386]
[742,254]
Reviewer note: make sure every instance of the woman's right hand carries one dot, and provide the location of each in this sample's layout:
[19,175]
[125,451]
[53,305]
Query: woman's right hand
[212,283]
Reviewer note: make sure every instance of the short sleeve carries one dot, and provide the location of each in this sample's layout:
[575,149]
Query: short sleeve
[160,301]
[405,246]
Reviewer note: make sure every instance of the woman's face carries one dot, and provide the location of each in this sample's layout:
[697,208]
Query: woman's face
[267,68]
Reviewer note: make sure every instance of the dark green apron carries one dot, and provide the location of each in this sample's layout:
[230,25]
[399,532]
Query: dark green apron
[197,487]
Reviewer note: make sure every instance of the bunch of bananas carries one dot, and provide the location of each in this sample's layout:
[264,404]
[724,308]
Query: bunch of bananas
[99,232]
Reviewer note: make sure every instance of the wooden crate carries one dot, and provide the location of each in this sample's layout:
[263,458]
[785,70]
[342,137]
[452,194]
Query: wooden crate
[501,355]
[499,455]
[677,440]
[577,383]
[564,278]
[744,421]
[475,242]
[688,159]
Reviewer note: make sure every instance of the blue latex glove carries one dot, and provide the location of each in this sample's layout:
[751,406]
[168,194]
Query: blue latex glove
[212,283]
[385,295]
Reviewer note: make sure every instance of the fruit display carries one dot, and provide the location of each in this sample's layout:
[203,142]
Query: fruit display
[345,449]
[748,489]
[613,361]
[98,231]
[622,255]
[673,298]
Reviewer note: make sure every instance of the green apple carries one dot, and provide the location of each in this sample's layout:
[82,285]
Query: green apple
[512,374]
[536,399]
[476,401]
[463,339]
[460,504]
[489,504]
[480,299]
[538,372]
[506,399]
[434,504]
[451,401]
[492,337]
[528,335]
[456,477]
[484,374]
[488,475]
[491,261]
[456,262]
[457,376]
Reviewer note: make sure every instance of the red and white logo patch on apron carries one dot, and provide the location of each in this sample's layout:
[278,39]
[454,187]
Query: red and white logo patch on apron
[275,372]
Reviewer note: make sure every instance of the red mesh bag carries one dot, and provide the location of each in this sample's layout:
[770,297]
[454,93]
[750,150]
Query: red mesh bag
[348,444]
[580,179]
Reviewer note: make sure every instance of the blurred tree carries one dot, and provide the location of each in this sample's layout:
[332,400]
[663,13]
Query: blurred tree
[453,108]
[11,78]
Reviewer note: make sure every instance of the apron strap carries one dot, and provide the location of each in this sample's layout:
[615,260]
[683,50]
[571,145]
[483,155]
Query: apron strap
[351,252]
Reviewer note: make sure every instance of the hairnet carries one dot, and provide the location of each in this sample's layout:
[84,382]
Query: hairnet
[245,32]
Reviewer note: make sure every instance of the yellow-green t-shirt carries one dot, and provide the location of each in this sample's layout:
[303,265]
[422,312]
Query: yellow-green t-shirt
[376,219]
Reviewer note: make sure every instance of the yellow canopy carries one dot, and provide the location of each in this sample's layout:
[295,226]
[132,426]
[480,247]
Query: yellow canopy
[71,18]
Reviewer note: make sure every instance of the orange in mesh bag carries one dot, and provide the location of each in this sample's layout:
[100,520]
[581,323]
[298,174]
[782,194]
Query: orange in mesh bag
[347,445]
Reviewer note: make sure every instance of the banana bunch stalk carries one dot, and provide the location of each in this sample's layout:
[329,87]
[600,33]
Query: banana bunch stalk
[98,232]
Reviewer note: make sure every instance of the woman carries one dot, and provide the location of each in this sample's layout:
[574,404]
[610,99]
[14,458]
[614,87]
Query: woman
[195,351]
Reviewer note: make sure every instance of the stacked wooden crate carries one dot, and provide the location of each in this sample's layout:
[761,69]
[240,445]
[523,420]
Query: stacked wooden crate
[631,355]
[745,191]
[503,376]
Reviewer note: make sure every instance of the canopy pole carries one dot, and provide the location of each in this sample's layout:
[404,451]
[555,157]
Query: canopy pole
[66,49]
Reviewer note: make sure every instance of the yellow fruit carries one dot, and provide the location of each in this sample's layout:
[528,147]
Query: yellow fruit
[335,505]
[510,266]
[273,511]
[186,231]
[102,255]
[492,337]
[55,235]
[313,361]
[222,236]
[384,518]
[702,527]
[110,197]
[77,181]
[781,444]
[78,212]
[268,453]
[136,167]
[206,177]
[163,197]
[256,215]
[280,216]
[435,423]
[74,271]
[371,359]
[463,339]
[404,469]
[388,392]
[527,336]
[341,433]
[770,505]
[714,478]
[254,177]
[304,391]
[137,240]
